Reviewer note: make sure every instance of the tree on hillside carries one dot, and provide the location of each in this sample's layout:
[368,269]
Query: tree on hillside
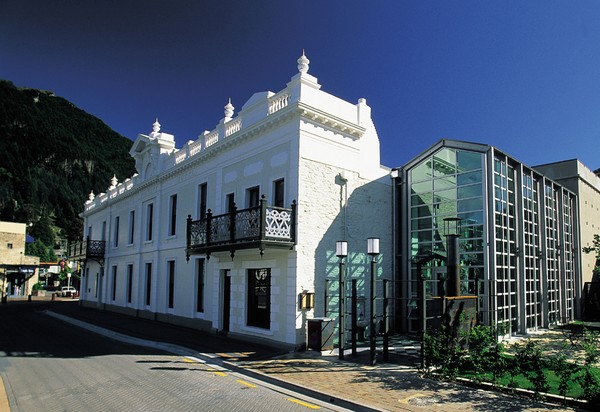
[52,154]
[39,249]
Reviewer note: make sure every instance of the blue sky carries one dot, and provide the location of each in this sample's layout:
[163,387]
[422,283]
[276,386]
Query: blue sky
[520,75]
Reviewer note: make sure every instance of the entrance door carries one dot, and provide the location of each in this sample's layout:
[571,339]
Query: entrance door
[226,300]
[259,298]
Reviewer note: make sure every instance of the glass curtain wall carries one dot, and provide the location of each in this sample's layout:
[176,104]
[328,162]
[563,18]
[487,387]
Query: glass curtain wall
[506,246]
[532,251]
[447,184]
[552,252]
[569,261]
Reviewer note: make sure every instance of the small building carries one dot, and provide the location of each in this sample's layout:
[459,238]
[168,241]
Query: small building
[18,271]
[519,245]
[236,231]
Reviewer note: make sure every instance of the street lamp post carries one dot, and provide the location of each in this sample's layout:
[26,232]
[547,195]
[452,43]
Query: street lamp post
[341,251]
[373,251]
[452,228]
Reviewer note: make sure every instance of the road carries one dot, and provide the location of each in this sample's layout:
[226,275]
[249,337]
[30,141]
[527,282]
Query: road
[48,365]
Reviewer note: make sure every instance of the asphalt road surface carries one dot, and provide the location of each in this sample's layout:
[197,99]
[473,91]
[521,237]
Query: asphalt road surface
[49,365]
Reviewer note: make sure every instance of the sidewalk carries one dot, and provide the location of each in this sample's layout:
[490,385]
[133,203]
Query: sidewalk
[349,383]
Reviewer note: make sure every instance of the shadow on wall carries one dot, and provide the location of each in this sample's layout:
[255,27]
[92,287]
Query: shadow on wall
[366,212]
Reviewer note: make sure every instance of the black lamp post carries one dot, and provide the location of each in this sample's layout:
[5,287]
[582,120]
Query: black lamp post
[341,251]
[373,251]
[452,232]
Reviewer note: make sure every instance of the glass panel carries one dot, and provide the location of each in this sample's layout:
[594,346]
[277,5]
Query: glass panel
[446,209]
[471,218]
[423,187]
[469,178]
[444,162]
[422,223]
[422,171]
[424,236]
[470,204]
[416,200]
[446,182]
[445,196]
[468,160]
[471,245]
[469,191]
[421,211]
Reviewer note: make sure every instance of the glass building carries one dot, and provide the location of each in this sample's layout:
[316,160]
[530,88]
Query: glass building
[518,246]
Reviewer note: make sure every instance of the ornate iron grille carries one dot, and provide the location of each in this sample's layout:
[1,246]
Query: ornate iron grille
[96,248]
[220,227]
[278,223]
[247,223]
[259,227]
[88,249]
[197,232]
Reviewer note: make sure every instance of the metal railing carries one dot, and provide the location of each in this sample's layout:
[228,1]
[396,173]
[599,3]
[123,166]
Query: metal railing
[260,226]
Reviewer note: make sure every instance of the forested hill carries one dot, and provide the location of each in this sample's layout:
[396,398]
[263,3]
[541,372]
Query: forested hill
[52,154]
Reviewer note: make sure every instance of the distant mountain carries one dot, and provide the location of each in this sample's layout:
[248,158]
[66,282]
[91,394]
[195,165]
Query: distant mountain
[52,154]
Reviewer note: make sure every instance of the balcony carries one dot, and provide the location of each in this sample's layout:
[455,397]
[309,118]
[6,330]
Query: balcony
[87,250]
[261,227]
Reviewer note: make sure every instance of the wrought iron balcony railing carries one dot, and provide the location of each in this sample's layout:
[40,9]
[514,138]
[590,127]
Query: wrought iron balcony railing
[87,249]
[259,227]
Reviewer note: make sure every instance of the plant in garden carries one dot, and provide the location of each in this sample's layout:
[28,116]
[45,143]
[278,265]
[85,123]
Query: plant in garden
[484,351]
[588,379]
[444,348]
[565,371]
[531,363]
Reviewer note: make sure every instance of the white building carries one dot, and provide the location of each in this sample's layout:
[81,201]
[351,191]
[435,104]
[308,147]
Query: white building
[315,160]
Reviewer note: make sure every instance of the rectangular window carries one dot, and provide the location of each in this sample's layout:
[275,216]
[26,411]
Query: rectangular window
[259,298]
[148,282]
[114,283]
[149,220]
[202,193]
[103,234]
[9,246]
[171,277]
[96,286]
[89,232]
[131,226]
[172,215]
[252,196]
[116,239]
[230,202]
[278,193]
[129,282]
[200,285]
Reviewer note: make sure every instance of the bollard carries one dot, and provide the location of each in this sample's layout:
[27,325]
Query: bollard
[54,296]
[29,298]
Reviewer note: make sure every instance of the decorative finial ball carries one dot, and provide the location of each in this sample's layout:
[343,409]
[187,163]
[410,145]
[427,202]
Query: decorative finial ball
[229,109]
[156,126]
[303,63]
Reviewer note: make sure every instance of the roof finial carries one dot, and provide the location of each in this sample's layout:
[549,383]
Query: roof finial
[156,126]
[91,196]
[113,182]
[229,109]
[303,63]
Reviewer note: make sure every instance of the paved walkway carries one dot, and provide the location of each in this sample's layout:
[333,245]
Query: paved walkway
[349,383]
